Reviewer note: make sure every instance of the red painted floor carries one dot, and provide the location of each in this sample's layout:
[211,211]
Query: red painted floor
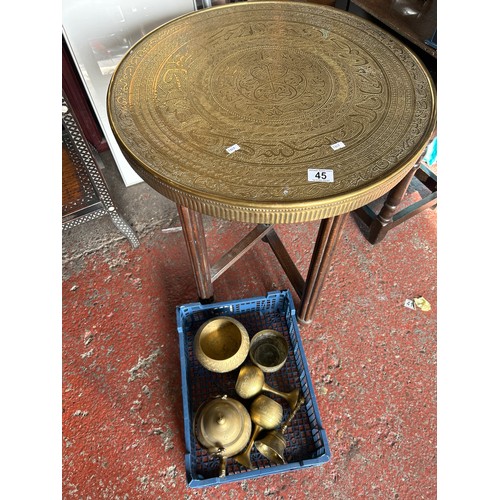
[372,363]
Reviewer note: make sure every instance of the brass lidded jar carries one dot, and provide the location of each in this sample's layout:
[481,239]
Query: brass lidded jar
[222,425]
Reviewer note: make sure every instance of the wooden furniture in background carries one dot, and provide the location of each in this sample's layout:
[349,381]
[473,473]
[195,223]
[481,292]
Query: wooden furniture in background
[415,21]
[388,218]
[82,110]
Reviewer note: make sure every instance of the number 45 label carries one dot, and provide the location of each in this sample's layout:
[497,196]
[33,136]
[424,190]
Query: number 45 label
[319,175]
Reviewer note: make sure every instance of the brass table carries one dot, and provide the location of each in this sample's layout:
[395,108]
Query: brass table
[271,112]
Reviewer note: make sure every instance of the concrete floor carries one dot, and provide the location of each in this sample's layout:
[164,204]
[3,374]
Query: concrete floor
[372,361]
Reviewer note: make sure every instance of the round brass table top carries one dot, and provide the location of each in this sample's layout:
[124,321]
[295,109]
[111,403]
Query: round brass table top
[271,112]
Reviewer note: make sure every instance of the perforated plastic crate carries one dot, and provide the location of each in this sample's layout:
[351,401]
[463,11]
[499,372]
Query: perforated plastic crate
[307,444]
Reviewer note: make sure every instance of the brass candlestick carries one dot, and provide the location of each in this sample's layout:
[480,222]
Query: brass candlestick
[273,444]
[265,414]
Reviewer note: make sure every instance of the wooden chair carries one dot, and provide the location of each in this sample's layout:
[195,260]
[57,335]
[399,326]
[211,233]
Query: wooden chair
[419,31]
[387,219]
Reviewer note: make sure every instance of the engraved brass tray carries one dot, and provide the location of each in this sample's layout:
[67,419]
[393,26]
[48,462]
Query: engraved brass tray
[284,81]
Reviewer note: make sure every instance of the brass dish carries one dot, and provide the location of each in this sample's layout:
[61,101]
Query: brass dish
[221,344]
[268,350]
[222,426]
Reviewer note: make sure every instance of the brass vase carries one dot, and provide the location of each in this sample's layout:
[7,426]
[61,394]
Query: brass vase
[251,382]
[221,344]
[265,414]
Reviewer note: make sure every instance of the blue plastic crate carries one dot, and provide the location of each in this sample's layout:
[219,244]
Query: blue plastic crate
[307,444]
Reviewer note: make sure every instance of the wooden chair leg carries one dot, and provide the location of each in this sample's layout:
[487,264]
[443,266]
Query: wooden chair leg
[382,223]
[328,235]
[194,235]
[379,225]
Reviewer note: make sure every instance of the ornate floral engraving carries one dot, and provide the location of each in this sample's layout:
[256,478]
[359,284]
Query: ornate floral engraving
[284,81]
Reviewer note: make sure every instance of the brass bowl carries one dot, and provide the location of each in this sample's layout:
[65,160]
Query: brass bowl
[268,350]
[221,344]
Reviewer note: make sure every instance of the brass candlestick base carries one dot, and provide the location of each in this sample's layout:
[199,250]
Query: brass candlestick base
[273,444]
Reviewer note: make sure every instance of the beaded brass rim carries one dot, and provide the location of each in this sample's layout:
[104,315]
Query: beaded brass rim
[286,84]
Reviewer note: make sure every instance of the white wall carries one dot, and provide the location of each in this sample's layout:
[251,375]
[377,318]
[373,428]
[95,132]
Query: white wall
[98,33]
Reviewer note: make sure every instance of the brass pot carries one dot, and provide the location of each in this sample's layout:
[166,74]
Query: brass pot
[222,426]
[221,344]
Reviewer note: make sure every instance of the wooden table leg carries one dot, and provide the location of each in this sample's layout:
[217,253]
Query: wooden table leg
[194,235]
[328,235]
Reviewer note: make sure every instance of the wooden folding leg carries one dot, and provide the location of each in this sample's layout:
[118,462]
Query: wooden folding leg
[309,291]
[328,235]
[286,262]
[204,273]
[194,235]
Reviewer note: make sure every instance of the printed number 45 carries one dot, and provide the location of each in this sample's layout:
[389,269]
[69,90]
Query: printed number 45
[320,175]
